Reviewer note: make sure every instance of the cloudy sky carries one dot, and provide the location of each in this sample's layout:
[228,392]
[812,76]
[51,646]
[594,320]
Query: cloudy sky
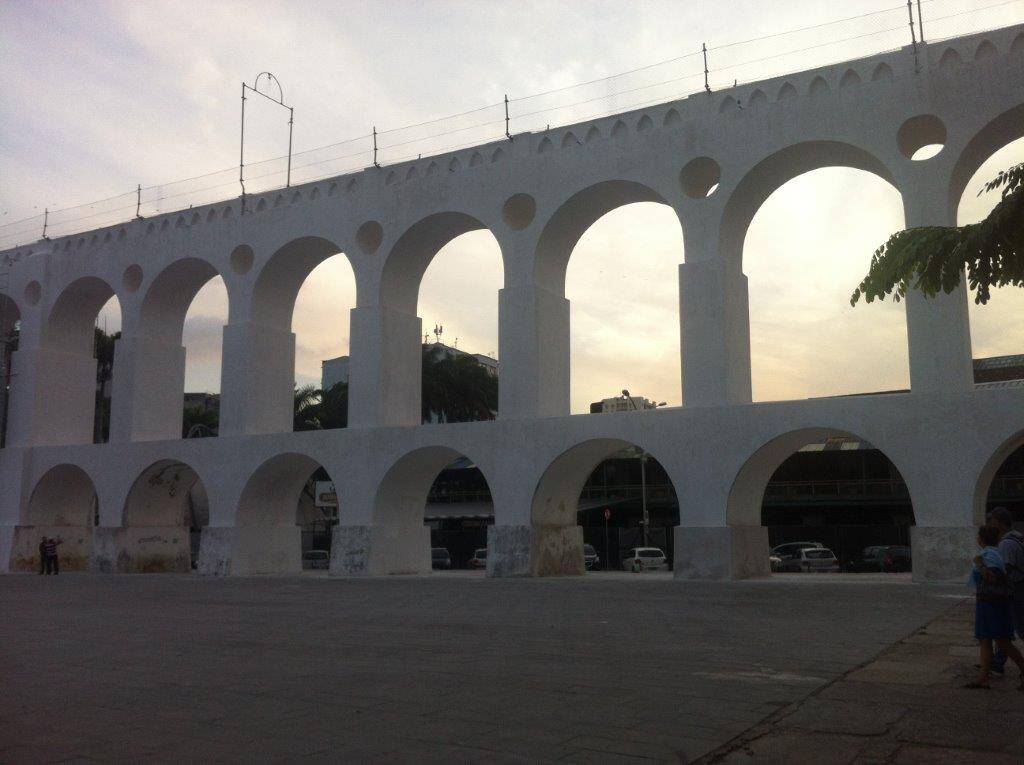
[100,96]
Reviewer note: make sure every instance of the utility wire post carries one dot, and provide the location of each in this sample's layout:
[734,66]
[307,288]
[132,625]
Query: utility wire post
[375,162]
[508,134]
[920,22]
[913,36]
[704,50]
[255,88]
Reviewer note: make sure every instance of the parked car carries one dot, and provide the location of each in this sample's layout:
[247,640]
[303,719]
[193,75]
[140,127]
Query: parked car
[479,559]
[590,558]
[818,559]
[440,558]
[644,559]
[887,558]
[316,559]
[789,554]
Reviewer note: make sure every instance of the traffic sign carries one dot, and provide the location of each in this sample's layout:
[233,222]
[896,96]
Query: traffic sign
[607,513]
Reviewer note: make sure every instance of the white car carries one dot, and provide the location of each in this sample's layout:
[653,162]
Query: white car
[818,559]
[644,559]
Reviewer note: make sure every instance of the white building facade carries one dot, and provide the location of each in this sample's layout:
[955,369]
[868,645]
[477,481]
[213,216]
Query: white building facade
[712,158]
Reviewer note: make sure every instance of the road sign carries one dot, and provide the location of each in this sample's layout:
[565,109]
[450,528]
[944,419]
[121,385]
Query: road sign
[607,514]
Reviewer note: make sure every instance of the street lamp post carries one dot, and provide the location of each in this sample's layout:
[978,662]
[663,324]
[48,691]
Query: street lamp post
[643,480]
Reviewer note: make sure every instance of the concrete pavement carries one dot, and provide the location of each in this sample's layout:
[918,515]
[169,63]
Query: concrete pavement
[453,668]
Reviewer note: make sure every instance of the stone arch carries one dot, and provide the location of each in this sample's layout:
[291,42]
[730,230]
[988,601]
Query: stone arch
[545,146]
[169,295]
[410,174]
[772,172]
[728,104]
[644,124]
[883,73]
[1018,43]
[571,220]
[787,92]
[63,504]
[279,280]
[985,50]
[476,159]
[988,473]
[557,543]
[818,86]
[267,537]
[746,495]
[619,129]
[412,253]
[164,507]
[569,140]
[498,155]
[997,133]
[399,505]
[672,117]
[757,98]
[850,78]
[69,326]
[592,134]
[950,59]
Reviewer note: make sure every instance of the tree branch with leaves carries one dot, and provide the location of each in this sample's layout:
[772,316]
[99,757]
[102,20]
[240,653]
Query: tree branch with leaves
[934,258]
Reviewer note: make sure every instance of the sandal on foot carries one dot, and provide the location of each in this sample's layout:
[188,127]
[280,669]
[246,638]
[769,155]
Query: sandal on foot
[976,684]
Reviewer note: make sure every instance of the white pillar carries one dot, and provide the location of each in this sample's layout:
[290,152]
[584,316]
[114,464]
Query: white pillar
[53,398]
[938,328]
[714,335]
[386,368]
[147,390]
[257,380]
[534,353]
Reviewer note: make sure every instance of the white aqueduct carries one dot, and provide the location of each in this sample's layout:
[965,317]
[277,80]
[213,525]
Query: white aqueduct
[537,194]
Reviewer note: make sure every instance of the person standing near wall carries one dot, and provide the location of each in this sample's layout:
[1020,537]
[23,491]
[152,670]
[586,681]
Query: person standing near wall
[50,547]
[42,556]
[1011,548]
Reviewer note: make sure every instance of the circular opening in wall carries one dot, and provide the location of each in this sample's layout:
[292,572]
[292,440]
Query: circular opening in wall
[921,137]
[242,258]
[369,236]
[33,292]
[518,211]
[700,177]
[132,278]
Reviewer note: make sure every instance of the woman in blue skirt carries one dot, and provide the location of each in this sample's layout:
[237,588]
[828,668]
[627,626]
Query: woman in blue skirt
[993,620]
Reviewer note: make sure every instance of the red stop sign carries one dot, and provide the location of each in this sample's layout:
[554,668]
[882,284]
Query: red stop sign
[607,513]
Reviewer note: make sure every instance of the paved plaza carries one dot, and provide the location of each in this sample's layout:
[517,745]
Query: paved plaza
[453,667]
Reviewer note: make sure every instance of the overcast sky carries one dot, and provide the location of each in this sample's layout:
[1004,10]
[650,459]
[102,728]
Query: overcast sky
[100,96]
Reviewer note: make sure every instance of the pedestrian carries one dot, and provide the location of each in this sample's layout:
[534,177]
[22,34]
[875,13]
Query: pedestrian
[1011,548]
[42,557]
[50,549]
[992,618]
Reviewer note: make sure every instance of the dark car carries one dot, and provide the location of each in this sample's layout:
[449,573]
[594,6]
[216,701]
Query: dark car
[590,557]
[440,558]
[316,559]
[882,558]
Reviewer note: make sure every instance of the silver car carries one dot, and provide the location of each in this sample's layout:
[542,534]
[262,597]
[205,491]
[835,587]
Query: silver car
[818,559]
[644,559]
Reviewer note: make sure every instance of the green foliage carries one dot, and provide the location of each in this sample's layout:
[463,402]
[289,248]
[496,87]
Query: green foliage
[316,409]
[199,422]
[933,258]
[456,388]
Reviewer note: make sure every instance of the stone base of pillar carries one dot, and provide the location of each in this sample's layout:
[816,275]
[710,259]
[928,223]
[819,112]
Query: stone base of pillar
[380,551]
[215,544]
[7,534]
[535,551]
[155,550]
[721,553]
[73,553]
[943,553]
[106,543]
[266,550]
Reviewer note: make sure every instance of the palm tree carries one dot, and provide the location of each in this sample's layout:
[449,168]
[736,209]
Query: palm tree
[456,388]
[307,405]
